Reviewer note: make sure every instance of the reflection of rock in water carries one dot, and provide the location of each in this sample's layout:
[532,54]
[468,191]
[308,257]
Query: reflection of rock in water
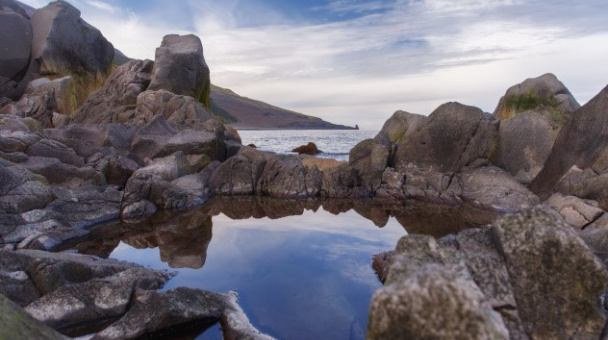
[182,240]
[416,217]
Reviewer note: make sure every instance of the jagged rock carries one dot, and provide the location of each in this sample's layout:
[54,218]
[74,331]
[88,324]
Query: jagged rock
[544,92]
[82,305]
[493,188]
[433,302]
[15,37]
[524,143]
[65,45]
[238,175]
[283,176]
[159,139]
[308,149]
[17,324]
[556,279]
[56,172]
[595,236]
[168,183]
[342,182]
[452,137]
[180,68]
[180,111]
[153,312]
[577,212]
[116,101]
[54,149]
[580,142]
[22,190]
[17,286]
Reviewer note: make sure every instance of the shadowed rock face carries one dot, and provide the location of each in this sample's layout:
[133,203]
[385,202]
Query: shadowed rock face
[64,44]
[180,68]
[453,136]
[580,142]
[15,37]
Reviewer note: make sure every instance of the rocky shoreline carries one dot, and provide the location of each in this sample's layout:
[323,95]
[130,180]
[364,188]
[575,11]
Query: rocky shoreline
[84,142]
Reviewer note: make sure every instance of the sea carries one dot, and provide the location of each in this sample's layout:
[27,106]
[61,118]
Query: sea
[333,143]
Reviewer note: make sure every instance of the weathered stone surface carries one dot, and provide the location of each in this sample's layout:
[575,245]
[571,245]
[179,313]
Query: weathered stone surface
[236,176]
[401,125]
[595,236]
[116,101]
[153,312]
[67,175]
[22,190]
[17,324]
[16,286]
[580,142]
[577,212]
[343,182]
[524,143]
[178,110]
[585,184]
[493,188]
[433,302]
[180,68]
[452,137]
[544,92]
[168,183]
[82,305]
[63,44]
[15,39]
[283,176]
[556,279]
[54,149]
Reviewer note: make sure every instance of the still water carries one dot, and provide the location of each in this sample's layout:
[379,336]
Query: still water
[333,143]
[302,269]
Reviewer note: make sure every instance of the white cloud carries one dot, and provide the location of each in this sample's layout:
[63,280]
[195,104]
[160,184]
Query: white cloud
[404,54]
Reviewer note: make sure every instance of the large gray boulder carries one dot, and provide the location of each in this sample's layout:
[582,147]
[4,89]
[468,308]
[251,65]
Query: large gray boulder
[544,92]
[22,190]
[530,267]
[180,68]
[580,142]
[283,176]
[556,279]
[116,101]
[16,45]
[524,144]
[64,44]
[453,136]
[430,294]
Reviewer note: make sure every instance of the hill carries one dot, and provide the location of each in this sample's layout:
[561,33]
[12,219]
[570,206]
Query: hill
[244,113]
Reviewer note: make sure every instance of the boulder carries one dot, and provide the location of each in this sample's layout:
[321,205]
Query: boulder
[283,176]
[577,212]
[153,312]
[341,182]
[545,92]
[179,111]
[428,296]
[15,39]
[453,136]
[22,190]
[65,45]
[17,324]
[595,236]
[84,304]
[180,68]
[556,279]
[524,143]
[580,142]
[492,188]
[56,172]
[401,125]
[308,149]
[238,175]
[116,101]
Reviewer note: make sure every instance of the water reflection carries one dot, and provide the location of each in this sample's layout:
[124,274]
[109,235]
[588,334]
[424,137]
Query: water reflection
[301,268]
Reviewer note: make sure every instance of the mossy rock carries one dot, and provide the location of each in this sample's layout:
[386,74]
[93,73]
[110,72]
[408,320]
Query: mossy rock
[17,324]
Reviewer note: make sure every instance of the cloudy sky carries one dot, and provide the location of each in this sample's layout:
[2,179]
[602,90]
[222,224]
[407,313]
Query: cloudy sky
[356,61]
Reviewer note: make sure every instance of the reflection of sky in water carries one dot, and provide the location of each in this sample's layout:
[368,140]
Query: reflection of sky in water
[299,277]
